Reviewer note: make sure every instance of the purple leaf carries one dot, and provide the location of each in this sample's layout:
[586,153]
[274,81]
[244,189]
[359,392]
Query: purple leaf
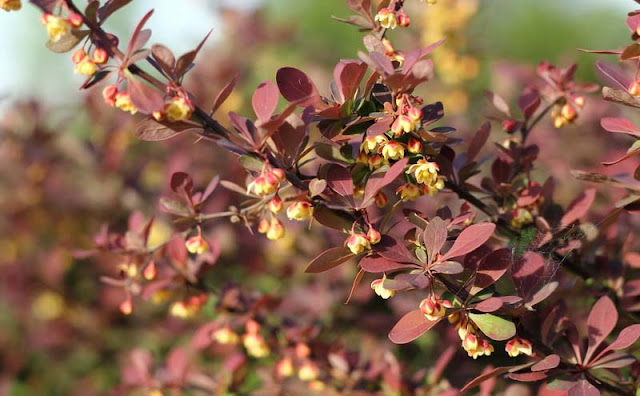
[578,207]
[348,75]
[498,102]
[106,10]
[329,259]
[602,320]
[528,103]
[493,304]
[411,326]
[181,182]
[548,363]
[478,141]
[528,377]
[393,250]
[145,98]
[151,130]
[447,267]
[484,377]
[381,179]
[265,100]
[339,180]
[296,87]
[164,57]
[627,337]
[224,94]
[470,239]
[614,360]
[619,125]
[184,62]
[138,38]
[377,264]
[491,268]
[583,388]
[435,236]
[614,75]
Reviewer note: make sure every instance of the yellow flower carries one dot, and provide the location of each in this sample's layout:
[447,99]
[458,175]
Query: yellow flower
[387,18]
[10,5]
[56,27]
[225,336]
[371,143]
[358,243]
[393,150]
[86,66]
[521,217]
[432,189]
[255,345]
[300,210]
[433,308]
[178,108]
[123,102]
[197,245]
[308,371]
[517,346]
[378,287]
[276,230]
[425,172]
[408,192]
[284,368]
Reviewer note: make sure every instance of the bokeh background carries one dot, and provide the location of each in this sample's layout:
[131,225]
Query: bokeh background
[68,164]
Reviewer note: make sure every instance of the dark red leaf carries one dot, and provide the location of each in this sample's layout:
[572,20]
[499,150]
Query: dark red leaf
[181,181]
[383,178]
[339,180]
[435,236]
[139,37]
[224,94]
[265,100]
[447,267]
[348,75]
[377,264]
[528,103]
[108,8]
[48,6]
[583,388]
[526,272]
[614,360]
[527,377]
[578,207]
[145,98]
[548,363]
[627,337]
[602,320]
[164,57]
[356,282]
[480,379]
[478,141]
[177,365]
[337,220]
[393,250]
[411,326]
[432,113]
[296,87]
[151,130]
[614,75]
[491,304]
[470,239]
[329,259]
[184,61]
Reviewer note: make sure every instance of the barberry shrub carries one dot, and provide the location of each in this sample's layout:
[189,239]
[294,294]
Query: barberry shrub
[474,249]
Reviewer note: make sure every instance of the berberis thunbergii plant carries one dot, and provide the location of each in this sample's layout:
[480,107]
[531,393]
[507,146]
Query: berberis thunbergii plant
[478,245]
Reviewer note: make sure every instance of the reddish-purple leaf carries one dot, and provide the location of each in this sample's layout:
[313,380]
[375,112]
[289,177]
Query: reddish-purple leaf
[614,75]
[480,379]
[106,10]
[619,125]
[224,94]
[177,365]
[393,250]
[339,180]
[478,141]
[628,155]
[183,64]
[354,286]
[526,272]
[337,220]
[377,264]
[47,6]
[614,360]
[382,178]
[210,188]
[432,113]
[181,182]
[348,75]
[329,259]
[151,130]
[548,363]
[627,337]
[542,294]
[139,37]
[381,62]
[528,377]
[265,100]
[602,320]
[470,239]
[447,267]
[145,98]
[164,57]
[583,388]
[528,103]
[296,87]
[411,326]
[435,236]
[202,337]
[414,56]
[489,305]
[578,207]
[498,102]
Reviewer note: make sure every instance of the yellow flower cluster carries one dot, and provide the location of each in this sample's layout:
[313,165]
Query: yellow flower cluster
[10,5]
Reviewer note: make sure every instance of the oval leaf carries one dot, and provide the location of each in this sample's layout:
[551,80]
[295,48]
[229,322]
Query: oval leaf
[491,268]
[494,327]
[265,100]
[297,87]
[329,259]
[601,322]
[548,363]
[377,264]
[470,239]
[411,326]
[578,207]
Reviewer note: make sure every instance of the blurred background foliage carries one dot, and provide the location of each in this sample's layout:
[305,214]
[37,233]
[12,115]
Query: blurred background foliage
[65,171]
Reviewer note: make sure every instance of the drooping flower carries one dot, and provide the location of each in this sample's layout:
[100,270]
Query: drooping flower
[197,245]
[387,18]
[358,243]
[517,346]
[300,210]
[393,151]
[408,192]
[57,27]
[178,108]
[276,230]
[378,287]
[123,102]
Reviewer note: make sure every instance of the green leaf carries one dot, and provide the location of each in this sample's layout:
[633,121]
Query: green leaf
[251,163]
[494,327]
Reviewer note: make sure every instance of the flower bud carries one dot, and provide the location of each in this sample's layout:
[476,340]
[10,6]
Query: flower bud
[109,94]
[302,350]
[279,174]
[373,236]
[99,56]
[150,271]
[308,371]
[401,125]
[470,342]
[381,199]
[225,336]
[414,146]
[375,162]
[432,308]
[275,204]
[78,55]
[276,230]
[387,18]
[358,243]
[158,115]
[197,245]
[75,20]
[300,210]
[126,307]
[634,88]
[284,368]
[263,226]
[123,102]
[86,66]
[521,217]
[255,345]
[509,126]
[403,19]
